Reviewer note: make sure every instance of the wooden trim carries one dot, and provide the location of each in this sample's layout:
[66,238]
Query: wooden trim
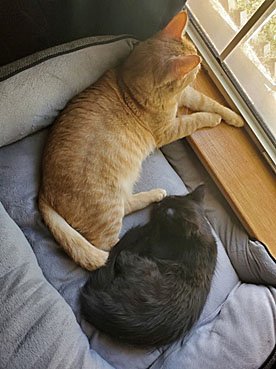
[239,170]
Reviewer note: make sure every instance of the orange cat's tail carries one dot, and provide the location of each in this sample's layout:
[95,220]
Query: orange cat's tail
[80,250]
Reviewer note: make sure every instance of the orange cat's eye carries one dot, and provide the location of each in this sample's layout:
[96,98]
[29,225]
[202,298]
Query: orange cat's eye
[176,26]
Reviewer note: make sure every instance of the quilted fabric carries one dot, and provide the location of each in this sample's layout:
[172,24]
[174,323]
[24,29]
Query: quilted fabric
[237,326]
[37,327]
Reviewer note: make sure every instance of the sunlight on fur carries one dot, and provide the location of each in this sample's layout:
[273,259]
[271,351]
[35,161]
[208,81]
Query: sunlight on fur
[96,146]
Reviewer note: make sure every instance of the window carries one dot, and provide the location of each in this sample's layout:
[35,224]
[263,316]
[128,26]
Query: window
[237,38]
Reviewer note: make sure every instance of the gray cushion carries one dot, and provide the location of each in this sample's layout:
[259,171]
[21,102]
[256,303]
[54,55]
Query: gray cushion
[19,182]
[37,328]
[222,314]
[241,336]
[34,89]
[226,321]
[251,259]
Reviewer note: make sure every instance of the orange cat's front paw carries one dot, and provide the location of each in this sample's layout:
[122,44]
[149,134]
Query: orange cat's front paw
[158,194]
[207,119]
[215,119]
[237,121]
[232,118]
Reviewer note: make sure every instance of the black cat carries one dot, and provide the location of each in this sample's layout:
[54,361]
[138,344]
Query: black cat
[157,278]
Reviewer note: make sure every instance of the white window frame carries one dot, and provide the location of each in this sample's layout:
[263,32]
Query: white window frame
[228,88]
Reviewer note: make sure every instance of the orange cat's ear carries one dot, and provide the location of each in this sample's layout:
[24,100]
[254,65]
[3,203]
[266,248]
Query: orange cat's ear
[176,26]
[182,66]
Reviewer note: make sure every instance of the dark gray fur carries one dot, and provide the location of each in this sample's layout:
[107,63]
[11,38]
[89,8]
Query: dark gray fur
[157,278]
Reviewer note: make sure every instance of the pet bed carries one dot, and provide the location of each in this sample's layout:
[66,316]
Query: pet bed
[40,321]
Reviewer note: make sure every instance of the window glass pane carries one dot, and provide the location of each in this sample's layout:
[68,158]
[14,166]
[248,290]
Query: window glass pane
[253,63]
[222,19]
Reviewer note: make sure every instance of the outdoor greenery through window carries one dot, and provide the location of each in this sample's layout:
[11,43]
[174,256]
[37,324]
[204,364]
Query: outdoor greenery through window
[242,36]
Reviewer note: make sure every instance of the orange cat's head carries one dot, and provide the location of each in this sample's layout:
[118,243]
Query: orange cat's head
[164,64]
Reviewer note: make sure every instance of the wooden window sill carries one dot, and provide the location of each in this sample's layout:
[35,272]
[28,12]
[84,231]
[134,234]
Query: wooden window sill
[240,172]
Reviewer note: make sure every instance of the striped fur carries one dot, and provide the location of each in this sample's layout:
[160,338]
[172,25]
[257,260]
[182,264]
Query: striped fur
[97,145]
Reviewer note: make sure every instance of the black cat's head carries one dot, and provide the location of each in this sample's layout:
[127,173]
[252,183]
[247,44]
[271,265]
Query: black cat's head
[185,212]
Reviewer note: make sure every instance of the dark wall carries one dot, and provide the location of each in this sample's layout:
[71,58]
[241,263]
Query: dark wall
[27,26]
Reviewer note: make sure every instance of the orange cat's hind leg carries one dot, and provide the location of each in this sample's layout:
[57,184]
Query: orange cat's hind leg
[107,235]
[142,199]
[103,228]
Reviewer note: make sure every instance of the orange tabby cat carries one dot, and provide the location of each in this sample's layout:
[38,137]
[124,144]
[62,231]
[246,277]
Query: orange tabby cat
[96,146]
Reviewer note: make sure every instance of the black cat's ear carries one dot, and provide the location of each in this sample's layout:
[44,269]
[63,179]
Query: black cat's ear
[199,193]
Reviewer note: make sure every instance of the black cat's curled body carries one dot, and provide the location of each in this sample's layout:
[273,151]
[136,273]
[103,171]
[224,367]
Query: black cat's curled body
[157,278]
